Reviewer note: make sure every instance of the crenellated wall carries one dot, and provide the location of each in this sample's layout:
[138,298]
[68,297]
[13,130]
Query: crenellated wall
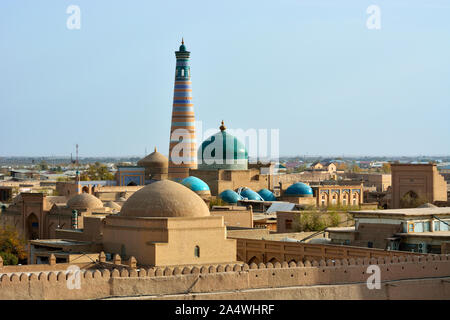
[223,278]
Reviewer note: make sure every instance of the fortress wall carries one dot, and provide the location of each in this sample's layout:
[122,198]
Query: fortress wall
[436,289]
[231,277]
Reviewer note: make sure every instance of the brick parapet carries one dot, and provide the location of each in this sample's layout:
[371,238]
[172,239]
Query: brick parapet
[98,283]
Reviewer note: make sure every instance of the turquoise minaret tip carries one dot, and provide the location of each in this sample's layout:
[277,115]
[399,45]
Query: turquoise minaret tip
[182,47]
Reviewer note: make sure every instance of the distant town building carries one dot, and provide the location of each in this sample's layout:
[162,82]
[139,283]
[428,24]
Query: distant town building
[424,229]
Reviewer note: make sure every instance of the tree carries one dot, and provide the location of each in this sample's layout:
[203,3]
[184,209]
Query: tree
[12,246]
[386,168]
[355,168]
[43,165]
[96,171]
[412,200]
[300,168]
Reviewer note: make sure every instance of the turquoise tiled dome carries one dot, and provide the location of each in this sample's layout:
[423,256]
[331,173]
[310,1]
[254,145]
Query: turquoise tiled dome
[230,196]
[267,195]
[251,195]
[195,184]
[234,155]
[299,189]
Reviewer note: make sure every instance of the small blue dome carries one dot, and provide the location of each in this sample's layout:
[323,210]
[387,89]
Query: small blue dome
[267,195]
[195,184]
[299,189]
[251,195]
[230,196]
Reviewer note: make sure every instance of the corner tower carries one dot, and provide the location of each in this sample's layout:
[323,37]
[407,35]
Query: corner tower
[182,148]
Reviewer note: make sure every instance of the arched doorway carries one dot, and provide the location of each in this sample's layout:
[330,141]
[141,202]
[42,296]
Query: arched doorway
[32,227]
[355,199]
[323,199]
[132,183]
[334,198]
[85,189]
[345,198]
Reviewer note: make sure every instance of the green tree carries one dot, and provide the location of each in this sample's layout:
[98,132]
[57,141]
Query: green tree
[300,168]
[96,171]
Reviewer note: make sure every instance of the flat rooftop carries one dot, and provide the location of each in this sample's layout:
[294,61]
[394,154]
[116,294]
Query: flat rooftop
[406,212]
[59,242]
[340,229]
[434,234]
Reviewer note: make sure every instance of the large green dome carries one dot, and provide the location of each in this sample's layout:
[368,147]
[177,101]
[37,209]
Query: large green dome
[222,151]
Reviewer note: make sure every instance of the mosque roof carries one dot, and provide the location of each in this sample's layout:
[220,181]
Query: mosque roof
[154,159]
[233,154]
[84,201]
[230,196]
[267,195]
[251,195]
[299,189]
[164,198]
[195,184]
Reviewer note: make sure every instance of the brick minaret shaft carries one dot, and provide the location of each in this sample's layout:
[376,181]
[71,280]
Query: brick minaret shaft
[182,150]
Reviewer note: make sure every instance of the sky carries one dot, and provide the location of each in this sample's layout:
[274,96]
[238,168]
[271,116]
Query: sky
[311,69]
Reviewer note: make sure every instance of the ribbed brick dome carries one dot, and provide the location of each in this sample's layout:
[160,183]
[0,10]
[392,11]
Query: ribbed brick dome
[164,198]
[84,201]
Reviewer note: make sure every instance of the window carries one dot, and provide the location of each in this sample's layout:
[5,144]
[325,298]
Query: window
[418,227]
[426,226]
[197,251]
[182,72]
[436,226]
[411,227]
[441,226]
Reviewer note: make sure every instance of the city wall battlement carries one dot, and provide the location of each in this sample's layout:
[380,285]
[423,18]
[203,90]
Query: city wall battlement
[222,278]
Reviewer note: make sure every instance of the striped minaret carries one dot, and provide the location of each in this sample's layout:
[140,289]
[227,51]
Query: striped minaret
[182,148]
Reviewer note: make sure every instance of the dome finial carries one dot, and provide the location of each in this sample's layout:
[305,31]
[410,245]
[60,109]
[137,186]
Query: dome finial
[182,40]
[222,127]
[155,148]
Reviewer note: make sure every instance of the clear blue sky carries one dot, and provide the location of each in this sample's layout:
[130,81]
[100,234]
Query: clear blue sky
[309,68]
